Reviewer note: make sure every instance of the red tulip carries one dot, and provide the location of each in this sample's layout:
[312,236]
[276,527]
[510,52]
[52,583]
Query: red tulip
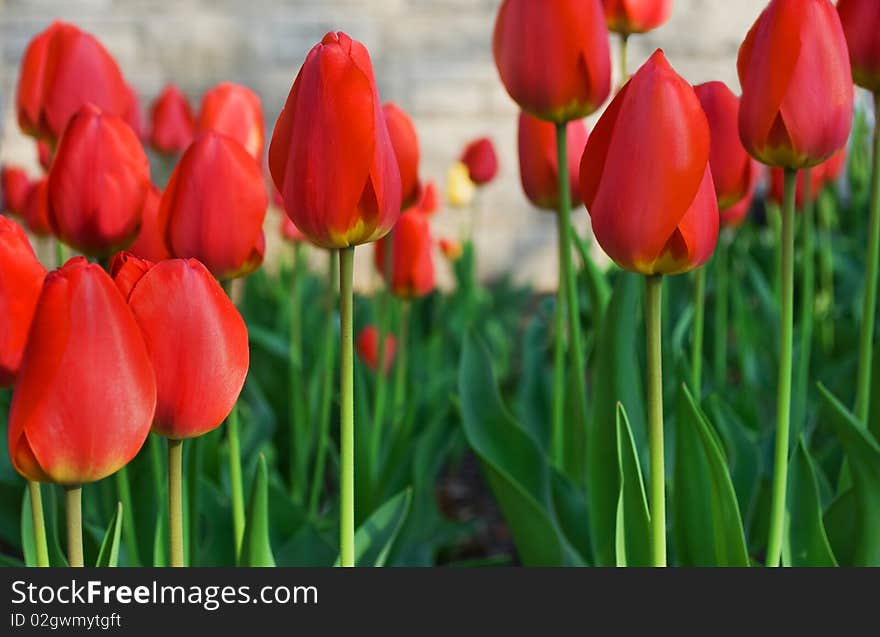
[171,121]
[197,340]
[861,24]
[412,261]
[21,279]
[234,110]
[797,102]
[86,392]
[368,348]
[36,209]
[553,57]
[653,211]
[636,16]
[429,199]
[214,206]
[406,148]
[481,161]
[735,215]
[63,69]
[289,230]
[150,242]
[132,114]
[832,168]
[331,155]
[538,162]
[451,249]
[44,154]
[16,185]
[98,182]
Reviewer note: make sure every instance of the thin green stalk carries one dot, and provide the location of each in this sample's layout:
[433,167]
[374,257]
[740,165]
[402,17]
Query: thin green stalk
[826,271]
[346,408]
[297,420]
[869,305]
[401,367]
[654,359]
[154,446]
[129,531]
[235,478]
[175,500]
[60,254]
[699,322]
[558,413]
[783,395]
[624,73]
[722,301]
[381,384]
[40,544]
[808,303]
[73,501]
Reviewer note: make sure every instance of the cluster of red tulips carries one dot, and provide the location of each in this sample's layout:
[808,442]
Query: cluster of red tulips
[667,175]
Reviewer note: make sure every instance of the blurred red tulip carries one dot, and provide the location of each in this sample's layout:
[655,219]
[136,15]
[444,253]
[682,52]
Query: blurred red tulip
[538,163]
[234,110]
[481,161]
[331,155]
[451,249]
[553,57]
[861,25]
[636,16]
[289,230]
[150,241]
[21,279]
[820,175]
[44,154]
[412,260]
[832,168]
[735,215]
[197,341]
[86,392]
[36,209]
[797,102]
[214,206]
[368,348]
[429,199]
[98,182]
[406,148]
[132,114]
[171,121]
[653,211]
[16,186]
[63,69]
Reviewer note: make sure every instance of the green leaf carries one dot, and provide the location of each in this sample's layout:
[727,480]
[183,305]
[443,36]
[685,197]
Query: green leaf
[842,533]
[707,528]
[806,542]
[374,538]
[108,556]
[28,546]
[160,539]
[255,547]
[617,379]
[863,455]
[874,407]
[633,523]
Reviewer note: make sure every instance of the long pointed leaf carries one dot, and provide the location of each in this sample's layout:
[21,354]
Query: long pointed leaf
[806,542]
[255,547]
[108,556]
[633,532]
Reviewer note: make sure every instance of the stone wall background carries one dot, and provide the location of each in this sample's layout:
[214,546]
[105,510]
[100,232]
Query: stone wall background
[433,57]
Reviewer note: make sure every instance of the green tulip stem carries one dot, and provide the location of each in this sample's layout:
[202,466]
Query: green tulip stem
[869,305]
[235,478]
[297,420]
[129,532]
[346,408]
[826,269]
[73,501]
[384,313]
[175,500]
[558,405]
[40,545]
[401,362]
[783,396]
[624,46]
[722,301]
[653,330]
[699,322]
[808,303]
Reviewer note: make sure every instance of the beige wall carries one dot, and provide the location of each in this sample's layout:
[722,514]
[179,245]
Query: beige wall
[431,56]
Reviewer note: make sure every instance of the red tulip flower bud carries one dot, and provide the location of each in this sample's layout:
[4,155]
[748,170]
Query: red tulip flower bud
[214,206]
[481,161]
[861,25]
[150,242]
[429,199]
[171,121]
[16,185]
[406,148]
[451,249]
[331,155]
[832,168]
[797,101]
[290,232]
[197,340]
[21,279]
[98,182]
[63,69]
[553,57]
[44,154]
[820,175]
[653,211]
[36,209]
[234,110]
[132,114]
[538,162]
[636,16]
[735,215]
[86,392]
[412,261]
[368,348]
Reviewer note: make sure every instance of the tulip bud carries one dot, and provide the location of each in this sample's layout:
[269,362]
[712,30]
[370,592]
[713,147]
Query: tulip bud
[481,161]
[451,249]
[538,162]
[132,114]
[290,232]
[234,110]
[171,121]
[636,16]
[653,211]
[197,341]
[797,102]
[460,190]
[44,154]
[63,69]
[36,209]
[553,57]
[861,25]
[214,206]
[21,279]
[98,182]
[429,200]
[368,348]
[150,242]
[86,392]
[412,261]
[820,175]
[735,215]
[331,154]
[16,185]
[406,148]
